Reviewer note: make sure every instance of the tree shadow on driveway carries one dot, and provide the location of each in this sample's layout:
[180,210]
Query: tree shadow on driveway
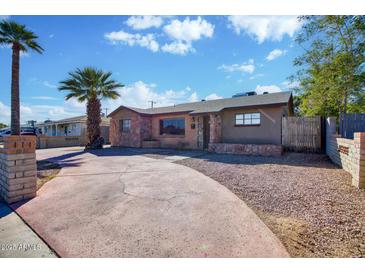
[290,158]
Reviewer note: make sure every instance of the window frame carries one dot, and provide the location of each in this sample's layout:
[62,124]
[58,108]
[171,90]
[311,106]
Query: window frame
[162,134]
[247,116]
[123,128]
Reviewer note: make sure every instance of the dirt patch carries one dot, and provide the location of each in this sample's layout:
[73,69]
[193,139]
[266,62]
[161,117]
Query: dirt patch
[304,199]
[46,171]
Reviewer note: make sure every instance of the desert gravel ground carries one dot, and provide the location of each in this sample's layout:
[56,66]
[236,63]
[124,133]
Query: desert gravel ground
[46,171]
[304,199]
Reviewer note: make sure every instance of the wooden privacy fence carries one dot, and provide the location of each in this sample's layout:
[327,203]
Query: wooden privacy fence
[351,123]
[303,134]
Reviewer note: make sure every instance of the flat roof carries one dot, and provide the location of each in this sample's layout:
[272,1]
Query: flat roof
[76,119]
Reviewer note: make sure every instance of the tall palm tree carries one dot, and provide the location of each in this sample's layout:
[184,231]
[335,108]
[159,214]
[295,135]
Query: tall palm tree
[91,85]
[21,40]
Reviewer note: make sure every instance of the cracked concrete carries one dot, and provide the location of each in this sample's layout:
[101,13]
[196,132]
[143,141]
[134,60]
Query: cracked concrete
[118,204]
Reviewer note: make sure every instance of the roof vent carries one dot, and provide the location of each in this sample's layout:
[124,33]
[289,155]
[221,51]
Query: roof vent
[248,93]
[265,92]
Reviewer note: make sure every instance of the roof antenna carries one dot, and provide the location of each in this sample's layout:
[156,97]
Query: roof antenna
[152,103]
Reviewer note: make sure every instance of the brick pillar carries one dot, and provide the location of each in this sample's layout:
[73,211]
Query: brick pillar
[18,168]
[215,122]
[199,123]
[358,176]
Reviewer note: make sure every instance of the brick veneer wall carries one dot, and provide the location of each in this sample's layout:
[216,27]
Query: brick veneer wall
[347,153]
[18,168]
[140,129]
[246,149]
[215,124]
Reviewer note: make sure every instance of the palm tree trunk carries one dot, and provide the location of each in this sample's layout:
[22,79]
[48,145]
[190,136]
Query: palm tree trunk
[15,105]
[93,109]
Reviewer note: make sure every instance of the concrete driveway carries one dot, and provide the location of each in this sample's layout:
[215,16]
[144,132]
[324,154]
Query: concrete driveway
[118,203]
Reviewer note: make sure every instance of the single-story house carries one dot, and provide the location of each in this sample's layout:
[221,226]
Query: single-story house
[218,125]
[68,132]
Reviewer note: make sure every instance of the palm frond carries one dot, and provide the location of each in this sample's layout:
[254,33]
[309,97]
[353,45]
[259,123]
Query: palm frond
[13,33]
[88,83]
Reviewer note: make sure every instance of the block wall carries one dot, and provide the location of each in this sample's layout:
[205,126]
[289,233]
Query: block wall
[349,154]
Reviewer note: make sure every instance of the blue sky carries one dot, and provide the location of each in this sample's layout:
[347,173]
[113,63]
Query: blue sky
[169,59]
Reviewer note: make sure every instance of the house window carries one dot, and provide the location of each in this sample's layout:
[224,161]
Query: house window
[125,125]
[174,126]
[248,119]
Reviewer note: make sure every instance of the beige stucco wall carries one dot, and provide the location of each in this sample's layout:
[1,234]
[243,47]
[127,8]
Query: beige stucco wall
[268,132]
[189,140]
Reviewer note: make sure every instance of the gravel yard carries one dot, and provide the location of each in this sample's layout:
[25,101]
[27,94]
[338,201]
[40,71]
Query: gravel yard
[304,199]
[46,171]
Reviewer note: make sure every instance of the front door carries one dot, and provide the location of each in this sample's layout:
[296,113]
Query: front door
[206,131]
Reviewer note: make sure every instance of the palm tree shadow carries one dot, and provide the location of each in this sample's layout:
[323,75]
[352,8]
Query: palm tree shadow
[65,161]
[4,210]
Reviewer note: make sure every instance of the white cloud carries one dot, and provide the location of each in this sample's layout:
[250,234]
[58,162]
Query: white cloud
[147,41]
[8,46]
[4,113]
[213,96]
[193,97]
[275,54]
[25,110]
[271,89]
[49,85]
[74,104]
[180,34]
[43,98]
[247,67]
[38,112]
[24,54]
[139,93]
[178,47]
[290,84]
[183,33]
[262,28]
[189,30]
[144,22]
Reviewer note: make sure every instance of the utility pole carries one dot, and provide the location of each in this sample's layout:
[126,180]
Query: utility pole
[152,103]
[106,112]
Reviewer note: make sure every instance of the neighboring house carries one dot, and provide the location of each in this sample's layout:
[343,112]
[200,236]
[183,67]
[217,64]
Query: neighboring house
[254,119]
[71,127]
